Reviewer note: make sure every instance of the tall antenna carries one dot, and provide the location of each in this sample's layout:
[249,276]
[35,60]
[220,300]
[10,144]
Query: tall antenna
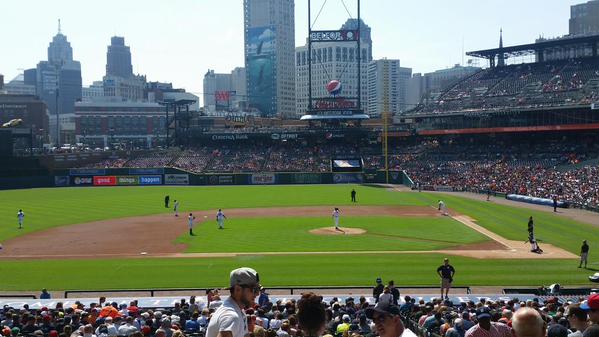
[59,32]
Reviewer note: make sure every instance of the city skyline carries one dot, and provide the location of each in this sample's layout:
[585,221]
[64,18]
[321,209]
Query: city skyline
[172,43]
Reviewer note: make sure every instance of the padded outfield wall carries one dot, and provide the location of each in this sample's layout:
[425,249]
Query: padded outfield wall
[170,176]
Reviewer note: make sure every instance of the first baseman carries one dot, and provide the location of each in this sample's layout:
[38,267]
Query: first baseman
[20,216]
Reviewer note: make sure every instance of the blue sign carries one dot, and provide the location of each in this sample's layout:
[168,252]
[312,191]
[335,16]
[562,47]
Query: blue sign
[141,171]
[87,172]
[348,178]
[150,180]
[61,181]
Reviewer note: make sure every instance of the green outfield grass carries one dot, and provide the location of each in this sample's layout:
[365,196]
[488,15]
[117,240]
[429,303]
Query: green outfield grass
[46,208]
[319,270]
[292,235]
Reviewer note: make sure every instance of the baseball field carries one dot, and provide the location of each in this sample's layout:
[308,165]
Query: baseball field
[124,237]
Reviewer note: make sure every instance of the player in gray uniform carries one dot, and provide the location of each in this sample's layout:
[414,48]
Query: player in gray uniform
[220,219]
[176,208]
[20,216]
[336,215]
[190,219]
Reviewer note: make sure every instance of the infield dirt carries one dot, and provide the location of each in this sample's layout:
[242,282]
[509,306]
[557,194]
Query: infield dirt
[155,236]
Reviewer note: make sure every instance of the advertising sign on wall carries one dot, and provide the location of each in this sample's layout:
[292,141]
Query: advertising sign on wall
[127,180]
[104,180]
[150,180]
[82,181]
[262,179]
[221,180]
[61,181]
[261,71]
[347,178]
[176,179]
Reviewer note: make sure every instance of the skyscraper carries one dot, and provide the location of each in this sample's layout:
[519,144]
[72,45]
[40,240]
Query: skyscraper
[269,29]
[387,86]
[118,58]
[365,35]
[584,18]
[58,80]
[119,83]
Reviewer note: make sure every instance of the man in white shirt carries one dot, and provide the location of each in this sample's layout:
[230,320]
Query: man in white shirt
[229,319]
[20,216]
[190,219]
[387,321]
[336,215]
[220,219]
[176,208]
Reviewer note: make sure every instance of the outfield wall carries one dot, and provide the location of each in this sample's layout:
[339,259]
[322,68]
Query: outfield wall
[174,177]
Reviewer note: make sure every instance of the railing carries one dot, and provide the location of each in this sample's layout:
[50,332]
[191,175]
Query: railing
[545,292]
[18,296]
[292,290]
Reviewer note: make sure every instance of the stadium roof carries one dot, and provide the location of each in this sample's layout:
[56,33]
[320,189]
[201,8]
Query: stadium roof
[533,48]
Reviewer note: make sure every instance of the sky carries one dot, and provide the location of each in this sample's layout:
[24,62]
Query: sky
[179,40]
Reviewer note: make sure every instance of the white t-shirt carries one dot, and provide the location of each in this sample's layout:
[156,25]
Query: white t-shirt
[336,214]
[190,220]
[228,317]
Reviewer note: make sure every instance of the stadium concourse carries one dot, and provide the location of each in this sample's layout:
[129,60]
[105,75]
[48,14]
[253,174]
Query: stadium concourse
[277,316]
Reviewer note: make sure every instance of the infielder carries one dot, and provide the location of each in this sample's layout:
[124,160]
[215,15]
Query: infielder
[20,216]
[190,219]
[443,208]
[176,208]
[220,219]
[336,218]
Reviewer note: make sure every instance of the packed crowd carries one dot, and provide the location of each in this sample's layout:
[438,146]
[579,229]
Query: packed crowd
[309,316]
[525,85]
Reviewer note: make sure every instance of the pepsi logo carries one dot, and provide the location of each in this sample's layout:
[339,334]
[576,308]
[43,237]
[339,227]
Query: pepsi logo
[334,87]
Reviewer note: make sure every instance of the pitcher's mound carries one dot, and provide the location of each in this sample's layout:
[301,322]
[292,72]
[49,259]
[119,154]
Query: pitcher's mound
[341,231]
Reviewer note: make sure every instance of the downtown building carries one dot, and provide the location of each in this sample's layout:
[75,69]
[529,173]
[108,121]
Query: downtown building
[269,33]
[224,92]
[58,85]
[387,87]
[584,18]
[119,83]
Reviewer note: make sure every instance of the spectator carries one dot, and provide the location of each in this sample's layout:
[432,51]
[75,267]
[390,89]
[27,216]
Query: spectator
[387,320]
[578,320]
[45,295]
[229,319]
[378,289]
[527,322]
[487,328]
[591,306]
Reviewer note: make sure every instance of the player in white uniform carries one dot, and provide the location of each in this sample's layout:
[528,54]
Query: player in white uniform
[190,219]
[336,218]
[20,216]
[443,208]
[220,219]
[176,208]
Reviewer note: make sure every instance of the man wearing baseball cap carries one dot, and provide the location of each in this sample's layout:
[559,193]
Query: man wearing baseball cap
[387,321]
[229,319]
[591,306]
[486,328]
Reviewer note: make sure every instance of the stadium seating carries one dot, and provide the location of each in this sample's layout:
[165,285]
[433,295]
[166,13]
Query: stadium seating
[547,84]
[271,316]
